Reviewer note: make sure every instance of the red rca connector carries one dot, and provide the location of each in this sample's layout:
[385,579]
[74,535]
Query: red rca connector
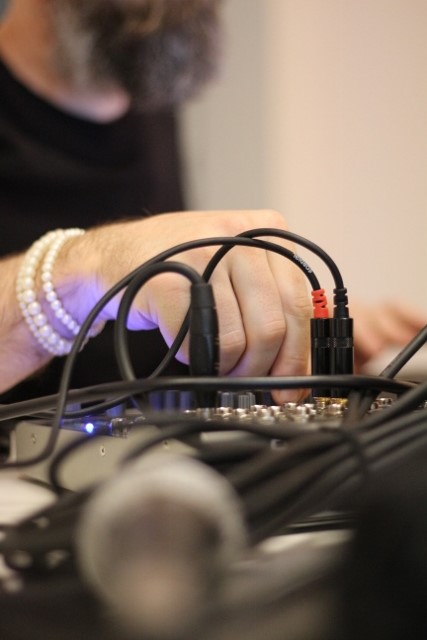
[320,304]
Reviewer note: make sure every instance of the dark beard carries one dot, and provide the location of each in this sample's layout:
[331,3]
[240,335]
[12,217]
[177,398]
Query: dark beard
[160,52]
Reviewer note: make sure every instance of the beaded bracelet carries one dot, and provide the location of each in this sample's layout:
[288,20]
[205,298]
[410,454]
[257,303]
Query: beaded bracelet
[44,251]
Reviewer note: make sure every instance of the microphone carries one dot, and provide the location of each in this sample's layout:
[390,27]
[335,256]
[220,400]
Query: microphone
[154,542]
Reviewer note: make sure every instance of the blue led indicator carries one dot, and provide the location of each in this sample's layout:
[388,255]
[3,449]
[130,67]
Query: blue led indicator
[89,427]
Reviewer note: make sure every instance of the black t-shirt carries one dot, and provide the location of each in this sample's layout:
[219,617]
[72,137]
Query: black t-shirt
[57,171]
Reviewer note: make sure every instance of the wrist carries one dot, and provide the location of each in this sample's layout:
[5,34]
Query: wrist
[49,301]
[20,354]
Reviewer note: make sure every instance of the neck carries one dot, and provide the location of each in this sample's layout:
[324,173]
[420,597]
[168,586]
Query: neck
[27,48]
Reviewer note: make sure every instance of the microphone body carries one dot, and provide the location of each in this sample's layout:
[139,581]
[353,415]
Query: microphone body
[155,541]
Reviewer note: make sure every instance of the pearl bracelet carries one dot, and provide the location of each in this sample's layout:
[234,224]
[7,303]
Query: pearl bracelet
[44,251]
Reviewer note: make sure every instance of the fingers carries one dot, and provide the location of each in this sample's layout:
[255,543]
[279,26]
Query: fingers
[405,318]
[383,325]
[261,297]
[263,311]
[260,309]
[250,314]
[168,303]
[275,308]
[292,357]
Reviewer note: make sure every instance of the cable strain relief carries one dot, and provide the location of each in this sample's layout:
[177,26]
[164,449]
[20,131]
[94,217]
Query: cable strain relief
[341,303]
[320,304]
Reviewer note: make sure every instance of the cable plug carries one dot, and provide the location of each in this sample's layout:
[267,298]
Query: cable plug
[332,351]
[204,338]
[341,351]
[320,304]
[320,352]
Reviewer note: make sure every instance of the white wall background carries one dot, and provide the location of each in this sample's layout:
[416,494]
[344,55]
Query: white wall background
[321,113]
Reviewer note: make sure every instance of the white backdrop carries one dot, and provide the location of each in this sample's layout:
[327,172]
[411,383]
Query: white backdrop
[321,113]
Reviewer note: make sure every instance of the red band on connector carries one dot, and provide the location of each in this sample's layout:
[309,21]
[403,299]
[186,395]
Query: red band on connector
[320,304]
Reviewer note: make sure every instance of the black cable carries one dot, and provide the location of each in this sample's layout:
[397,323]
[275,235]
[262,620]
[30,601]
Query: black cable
[266,465]
[405,354]
[69,363]
[392,434]
[186,246]
[343,479]
[241,240]
[175,426]
[120,328]
[309,487]
[339,479]
[26,408]
[284,235]
[95,409]
[224,383]
[322,477]
[406,403]
[91,317]
[87,324]
[295,480]
[341,470]
[359,403]
[340,292]
[309,445]
[335,473]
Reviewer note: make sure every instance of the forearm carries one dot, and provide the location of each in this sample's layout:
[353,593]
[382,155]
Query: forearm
[20,354]
[87,265]
[78,283]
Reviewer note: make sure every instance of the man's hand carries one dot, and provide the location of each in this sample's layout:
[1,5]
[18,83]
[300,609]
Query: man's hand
[261,297]
[382,325]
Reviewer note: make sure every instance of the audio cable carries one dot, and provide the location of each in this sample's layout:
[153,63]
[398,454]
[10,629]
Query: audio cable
[113,291]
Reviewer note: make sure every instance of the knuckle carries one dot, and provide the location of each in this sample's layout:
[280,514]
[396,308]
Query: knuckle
[302,306]
[272,218]
[271,333]
[232,346]
[297,299]
[171,284]
[244,220]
